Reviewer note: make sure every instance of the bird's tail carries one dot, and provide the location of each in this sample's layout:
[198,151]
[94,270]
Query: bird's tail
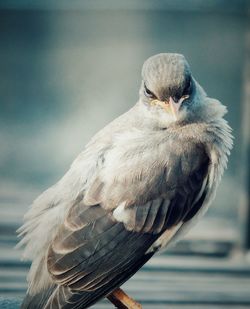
[64,297]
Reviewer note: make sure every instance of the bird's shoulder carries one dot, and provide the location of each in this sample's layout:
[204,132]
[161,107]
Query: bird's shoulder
[140,165]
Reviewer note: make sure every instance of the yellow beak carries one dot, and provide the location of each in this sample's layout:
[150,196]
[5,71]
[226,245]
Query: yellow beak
[163,104]
[170,106]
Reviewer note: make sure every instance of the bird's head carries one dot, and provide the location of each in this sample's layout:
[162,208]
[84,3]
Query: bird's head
[168,87]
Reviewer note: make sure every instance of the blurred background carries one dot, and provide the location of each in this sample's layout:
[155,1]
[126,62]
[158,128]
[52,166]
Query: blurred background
[67,68]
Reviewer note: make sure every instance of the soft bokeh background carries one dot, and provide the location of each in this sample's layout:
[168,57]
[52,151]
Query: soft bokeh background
[67,68]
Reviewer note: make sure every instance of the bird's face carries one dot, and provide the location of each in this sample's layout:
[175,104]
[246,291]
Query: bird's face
[167,85]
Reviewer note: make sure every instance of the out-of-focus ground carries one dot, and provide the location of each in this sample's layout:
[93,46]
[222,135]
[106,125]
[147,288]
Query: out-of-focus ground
[69,68]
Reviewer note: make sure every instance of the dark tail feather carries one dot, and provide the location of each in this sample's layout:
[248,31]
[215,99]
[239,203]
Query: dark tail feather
[65,298]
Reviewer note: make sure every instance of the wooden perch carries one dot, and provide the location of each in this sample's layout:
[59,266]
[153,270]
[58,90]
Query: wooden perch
[122,301]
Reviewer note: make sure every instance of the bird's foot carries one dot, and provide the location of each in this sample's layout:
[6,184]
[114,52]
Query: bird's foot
[122,301]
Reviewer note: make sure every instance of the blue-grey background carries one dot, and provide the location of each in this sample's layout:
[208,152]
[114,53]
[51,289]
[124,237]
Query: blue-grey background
[65,73]
[67,68]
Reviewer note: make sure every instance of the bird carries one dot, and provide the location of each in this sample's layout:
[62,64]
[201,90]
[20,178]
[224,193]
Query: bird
[139,184]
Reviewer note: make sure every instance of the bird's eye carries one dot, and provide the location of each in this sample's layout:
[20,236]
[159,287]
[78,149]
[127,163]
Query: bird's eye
[187,89]
[149,93]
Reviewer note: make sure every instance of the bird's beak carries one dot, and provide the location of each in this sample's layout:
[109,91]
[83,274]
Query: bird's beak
[174,106]
[170,106]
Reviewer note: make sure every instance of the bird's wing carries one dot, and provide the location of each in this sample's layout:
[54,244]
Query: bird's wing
[94,252]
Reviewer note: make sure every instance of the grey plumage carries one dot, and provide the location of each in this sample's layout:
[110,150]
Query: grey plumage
[167,75]
[140,183]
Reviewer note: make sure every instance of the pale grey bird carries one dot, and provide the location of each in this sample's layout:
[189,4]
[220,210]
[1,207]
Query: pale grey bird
[139,184]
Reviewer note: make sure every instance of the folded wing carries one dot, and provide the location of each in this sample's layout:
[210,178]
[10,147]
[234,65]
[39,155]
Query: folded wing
[93,252]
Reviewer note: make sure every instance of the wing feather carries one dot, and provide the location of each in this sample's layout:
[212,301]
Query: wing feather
[93,251]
